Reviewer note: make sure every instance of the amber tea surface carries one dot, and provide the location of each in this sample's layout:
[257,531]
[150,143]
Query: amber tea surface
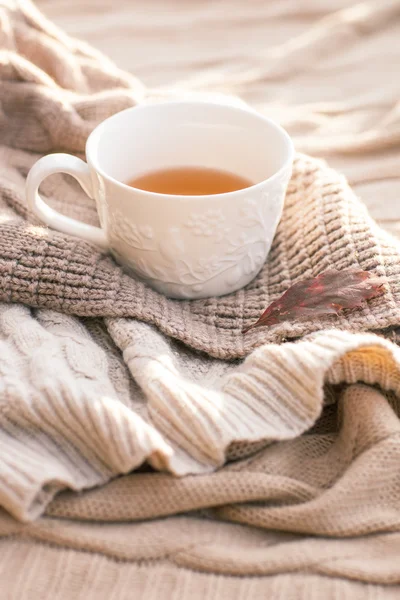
[190,181]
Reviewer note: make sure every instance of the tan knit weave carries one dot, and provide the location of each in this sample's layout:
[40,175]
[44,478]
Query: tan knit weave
[323,224]
[83,400]
[313,505]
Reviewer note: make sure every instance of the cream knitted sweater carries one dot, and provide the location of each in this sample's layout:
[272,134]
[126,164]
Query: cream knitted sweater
[95,382]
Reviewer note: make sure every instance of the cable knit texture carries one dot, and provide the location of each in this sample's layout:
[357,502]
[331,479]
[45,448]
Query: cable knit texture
[95,383]
[323,225]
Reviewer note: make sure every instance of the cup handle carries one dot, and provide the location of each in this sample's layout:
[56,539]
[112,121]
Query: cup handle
[62,163]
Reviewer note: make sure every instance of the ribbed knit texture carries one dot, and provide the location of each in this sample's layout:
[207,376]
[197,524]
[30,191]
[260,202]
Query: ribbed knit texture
[323,224]
[84,400]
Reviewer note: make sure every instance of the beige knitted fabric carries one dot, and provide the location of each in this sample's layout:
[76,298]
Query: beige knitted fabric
[69,403]
[68,397]
[323,224]
[84,400]
[185,557]
[312,503]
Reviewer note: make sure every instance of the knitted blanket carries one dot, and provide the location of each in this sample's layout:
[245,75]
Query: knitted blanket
[95,382]
[323,226]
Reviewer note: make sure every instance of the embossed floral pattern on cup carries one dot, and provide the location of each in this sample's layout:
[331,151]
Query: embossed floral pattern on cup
[244,252]
[211,223]
[136,236]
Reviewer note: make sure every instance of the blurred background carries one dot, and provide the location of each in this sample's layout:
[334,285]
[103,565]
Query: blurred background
[328,70]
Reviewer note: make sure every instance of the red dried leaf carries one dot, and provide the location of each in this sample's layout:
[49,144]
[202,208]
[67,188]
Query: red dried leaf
[325,294]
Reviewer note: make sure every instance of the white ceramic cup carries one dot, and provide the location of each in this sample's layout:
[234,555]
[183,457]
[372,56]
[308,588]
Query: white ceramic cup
[182,246]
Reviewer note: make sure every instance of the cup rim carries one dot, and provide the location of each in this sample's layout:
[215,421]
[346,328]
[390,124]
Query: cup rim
[97,131]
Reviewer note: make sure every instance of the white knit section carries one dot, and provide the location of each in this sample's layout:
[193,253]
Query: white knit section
[61,421]
[275,394]
[63,424]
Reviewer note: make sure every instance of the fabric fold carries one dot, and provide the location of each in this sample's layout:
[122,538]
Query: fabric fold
[188,415]
[323,225]
[146,446]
